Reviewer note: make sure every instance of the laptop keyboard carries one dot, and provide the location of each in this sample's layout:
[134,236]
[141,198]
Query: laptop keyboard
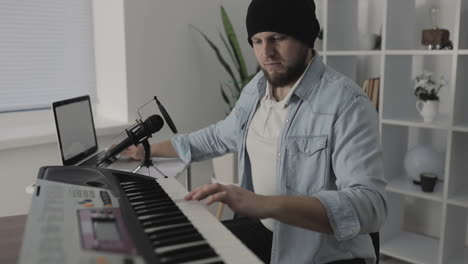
[95,161]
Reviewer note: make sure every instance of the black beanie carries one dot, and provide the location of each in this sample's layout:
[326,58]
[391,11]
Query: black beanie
[295,18]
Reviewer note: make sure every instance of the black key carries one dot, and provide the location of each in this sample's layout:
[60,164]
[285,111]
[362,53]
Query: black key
[179,231]
[169,230]
[156,217]
[162,222]
[147,197]
[188,254]
[177,240]
[142,188]
[158,210]
[151,204]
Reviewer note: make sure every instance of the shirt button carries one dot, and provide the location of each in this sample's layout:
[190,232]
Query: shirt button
[279,154]
[287,120]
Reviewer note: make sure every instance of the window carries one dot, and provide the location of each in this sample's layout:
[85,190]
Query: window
[46,52]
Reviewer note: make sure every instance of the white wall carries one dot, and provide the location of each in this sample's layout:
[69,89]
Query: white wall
[164,58]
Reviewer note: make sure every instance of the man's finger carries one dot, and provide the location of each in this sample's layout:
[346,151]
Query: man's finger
[217,197]
[206,190]
[189,196]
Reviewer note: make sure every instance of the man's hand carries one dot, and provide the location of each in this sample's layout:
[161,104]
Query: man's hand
[136,153]
[240,200]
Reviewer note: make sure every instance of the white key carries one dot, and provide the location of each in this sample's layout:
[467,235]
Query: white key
[229,248]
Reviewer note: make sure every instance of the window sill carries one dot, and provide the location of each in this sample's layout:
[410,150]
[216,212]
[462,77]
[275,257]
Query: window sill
[25,129]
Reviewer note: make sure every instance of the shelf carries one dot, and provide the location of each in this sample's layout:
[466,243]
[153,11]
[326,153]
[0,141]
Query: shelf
[463,52]
[352,52]
[461,128]
[403,185]
[419,52]
[412,247]
[459,258]
[442,122]
[459,200]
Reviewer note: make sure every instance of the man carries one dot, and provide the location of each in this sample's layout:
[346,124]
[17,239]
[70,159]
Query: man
[307,140]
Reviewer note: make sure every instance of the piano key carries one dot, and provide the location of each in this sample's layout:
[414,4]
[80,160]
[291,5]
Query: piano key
[229,248]
[165,227]
[151,204]
[162,222]
[155,216]
[145,197]
[214,260]
[173,248]
[177,240]
[173,232]
[195,253]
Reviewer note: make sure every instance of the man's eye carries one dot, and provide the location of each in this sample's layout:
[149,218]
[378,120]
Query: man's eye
[279,38]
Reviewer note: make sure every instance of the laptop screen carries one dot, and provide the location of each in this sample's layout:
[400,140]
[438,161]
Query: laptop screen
[75,129]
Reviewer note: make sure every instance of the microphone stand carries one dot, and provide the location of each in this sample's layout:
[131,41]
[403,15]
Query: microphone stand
[147,161]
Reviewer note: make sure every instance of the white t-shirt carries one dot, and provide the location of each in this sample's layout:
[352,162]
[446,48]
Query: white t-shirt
[262,140]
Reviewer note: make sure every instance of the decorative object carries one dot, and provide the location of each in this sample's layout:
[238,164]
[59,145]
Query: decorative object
[428,181]
[423,159]
[231,90]
[428,109]
[368,41]
[435,37]
[427,91]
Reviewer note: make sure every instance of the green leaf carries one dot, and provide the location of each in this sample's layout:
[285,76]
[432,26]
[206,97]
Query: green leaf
[220,57]
[228,48]
[224,95]
[231,35]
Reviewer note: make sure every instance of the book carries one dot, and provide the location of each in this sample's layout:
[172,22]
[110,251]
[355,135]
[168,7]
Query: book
[371,87]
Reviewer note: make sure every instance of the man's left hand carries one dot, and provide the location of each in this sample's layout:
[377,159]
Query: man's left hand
[240,200]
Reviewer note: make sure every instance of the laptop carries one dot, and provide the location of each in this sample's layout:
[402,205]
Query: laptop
[76,133]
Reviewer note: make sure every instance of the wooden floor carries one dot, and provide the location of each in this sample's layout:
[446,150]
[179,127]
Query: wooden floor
[11,234]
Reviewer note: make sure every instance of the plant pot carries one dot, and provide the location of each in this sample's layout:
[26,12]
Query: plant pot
[225,169]
[428,109]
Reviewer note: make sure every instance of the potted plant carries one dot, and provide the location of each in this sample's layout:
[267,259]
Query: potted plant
[225,167]
[427,92]
[236,69]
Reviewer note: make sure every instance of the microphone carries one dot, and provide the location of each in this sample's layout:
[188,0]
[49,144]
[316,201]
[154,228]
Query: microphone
[136,134]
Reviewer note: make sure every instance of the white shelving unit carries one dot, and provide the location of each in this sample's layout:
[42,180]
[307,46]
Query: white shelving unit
[422,228]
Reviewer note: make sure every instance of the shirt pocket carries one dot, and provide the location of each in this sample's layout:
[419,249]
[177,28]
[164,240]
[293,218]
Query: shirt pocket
[306,164]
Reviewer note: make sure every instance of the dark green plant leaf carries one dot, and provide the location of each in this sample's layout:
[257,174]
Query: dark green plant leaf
[234,93]
[231,35]
[225,97]
[220,57]
[228,48]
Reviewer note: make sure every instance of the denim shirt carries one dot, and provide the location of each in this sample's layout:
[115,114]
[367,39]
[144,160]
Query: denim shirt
[329,148]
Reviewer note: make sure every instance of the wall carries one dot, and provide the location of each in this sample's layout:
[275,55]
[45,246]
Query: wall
[164,57]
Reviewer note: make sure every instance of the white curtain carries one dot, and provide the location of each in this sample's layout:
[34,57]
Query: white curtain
[46,52]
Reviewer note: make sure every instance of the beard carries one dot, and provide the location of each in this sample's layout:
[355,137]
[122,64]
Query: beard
[291,74]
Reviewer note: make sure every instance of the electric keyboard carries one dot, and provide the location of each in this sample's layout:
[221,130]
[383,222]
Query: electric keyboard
[101,216]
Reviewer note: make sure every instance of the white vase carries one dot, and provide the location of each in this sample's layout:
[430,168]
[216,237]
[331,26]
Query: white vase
[225,169]
[428,109]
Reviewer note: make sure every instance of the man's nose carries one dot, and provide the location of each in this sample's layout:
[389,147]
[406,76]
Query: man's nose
[268,50]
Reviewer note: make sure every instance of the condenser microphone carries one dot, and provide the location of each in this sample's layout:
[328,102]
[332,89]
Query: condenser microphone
[139,132]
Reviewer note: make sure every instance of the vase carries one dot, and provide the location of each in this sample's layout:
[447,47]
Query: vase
[428,109]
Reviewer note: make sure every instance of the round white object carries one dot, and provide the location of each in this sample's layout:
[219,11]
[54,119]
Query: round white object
[423,159]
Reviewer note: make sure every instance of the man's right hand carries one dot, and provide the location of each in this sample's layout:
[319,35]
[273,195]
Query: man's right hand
[136,153]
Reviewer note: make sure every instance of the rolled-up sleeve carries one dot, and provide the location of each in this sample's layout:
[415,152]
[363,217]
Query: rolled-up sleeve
[359,205]
[212,141]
